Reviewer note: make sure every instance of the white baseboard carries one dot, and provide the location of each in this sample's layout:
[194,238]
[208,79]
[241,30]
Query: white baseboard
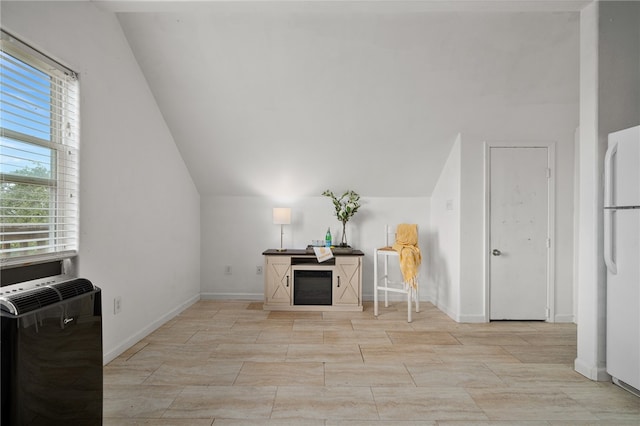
[471,319]
[593,372]
[132,340]
[564,318]
[232,296]
[391,297]
[460,318]
[450,313]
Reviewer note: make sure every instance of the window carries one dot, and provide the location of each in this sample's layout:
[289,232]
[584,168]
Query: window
[39,139]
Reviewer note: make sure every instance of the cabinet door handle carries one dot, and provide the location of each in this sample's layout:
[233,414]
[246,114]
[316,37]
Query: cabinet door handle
[287,280]
[338,280]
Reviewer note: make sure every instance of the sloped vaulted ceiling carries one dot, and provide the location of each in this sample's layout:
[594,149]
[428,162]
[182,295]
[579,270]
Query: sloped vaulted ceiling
[304,96]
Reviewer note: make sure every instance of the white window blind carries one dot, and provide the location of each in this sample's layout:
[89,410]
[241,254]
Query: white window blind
[39,141]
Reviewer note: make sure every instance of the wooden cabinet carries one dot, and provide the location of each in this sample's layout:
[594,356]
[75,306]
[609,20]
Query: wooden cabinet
[294,280]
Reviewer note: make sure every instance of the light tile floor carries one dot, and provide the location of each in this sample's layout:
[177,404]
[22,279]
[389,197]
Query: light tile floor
[231,363]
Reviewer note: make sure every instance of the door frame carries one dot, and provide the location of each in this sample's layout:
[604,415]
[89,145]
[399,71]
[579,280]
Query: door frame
[551,215]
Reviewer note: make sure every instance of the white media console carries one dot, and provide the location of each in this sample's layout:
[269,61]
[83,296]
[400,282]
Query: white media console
[295,281]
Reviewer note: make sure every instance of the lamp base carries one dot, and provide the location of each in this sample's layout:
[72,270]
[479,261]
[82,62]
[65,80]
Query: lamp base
[281,235]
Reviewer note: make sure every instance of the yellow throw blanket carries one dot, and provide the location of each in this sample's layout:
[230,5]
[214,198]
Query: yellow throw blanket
[410,257]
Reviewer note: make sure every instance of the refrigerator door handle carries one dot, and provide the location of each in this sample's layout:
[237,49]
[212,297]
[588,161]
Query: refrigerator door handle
[608,171]
[609,215]
[609,243]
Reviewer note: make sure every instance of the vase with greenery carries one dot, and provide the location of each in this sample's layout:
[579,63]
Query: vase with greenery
[346,206]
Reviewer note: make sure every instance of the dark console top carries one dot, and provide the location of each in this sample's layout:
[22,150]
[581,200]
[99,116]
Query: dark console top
[337,251]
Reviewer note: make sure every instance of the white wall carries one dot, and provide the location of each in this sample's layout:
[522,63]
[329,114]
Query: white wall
[444,241]
[542,119]
[619,67]
[236,230]
[121,125]
[548,123]
[139,207]
[590,344]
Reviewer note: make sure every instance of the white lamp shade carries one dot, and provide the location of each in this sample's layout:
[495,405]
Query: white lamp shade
[281,216]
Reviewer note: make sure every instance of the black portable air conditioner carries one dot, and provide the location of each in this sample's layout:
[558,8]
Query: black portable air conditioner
[51,352]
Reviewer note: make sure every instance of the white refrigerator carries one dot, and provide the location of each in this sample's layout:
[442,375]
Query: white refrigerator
[622,256]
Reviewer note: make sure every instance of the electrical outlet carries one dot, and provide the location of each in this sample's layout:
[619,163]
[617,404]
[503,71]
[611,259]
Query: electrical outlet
[227,270]
[117,305]
[258,270]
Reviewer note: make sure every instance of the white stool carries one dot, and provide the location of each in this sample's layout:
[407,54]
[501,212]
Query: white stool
[383,283]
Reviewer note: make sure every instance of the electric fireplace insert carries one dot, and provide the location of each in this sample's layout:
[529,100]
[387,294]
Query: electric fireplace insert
[312,281]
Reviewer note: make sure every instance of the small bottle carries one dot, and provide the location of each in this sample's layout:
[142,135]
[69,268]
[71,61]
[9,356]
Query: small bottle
[327,238]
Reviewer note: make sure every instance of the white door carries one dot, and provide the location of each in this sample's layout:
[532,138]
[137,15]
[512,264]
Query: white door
[518,242]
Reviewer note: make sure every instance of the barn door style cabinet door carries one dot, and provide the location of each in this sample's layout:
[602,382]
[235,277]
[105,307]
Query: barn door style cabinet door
[277,288]
[295,281]
[348,278]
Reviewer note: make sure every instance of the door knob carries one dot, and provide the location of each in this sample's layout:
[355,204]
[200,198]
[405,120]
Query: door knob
[496,252]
